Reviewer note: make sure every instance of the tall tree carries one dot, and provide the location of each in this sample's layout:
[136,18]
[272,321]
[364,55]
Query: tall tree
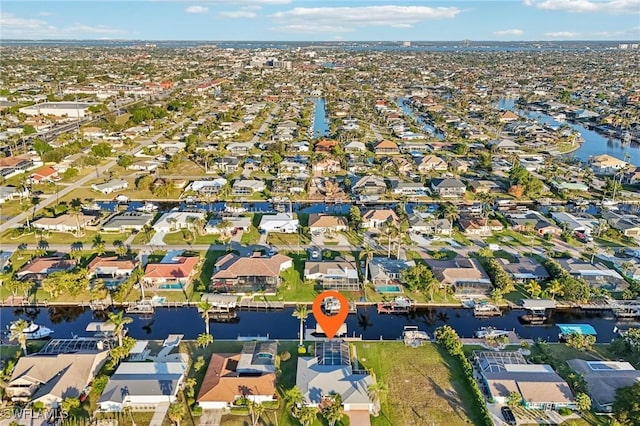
[204,307]
[367,254]
[176,412]
[301,312]
[377,392]
[119,321]
[18,334]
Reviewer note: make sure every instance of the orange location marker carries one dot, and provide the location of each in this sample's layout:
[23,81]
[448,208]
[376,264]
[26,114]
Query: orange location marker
[330,324]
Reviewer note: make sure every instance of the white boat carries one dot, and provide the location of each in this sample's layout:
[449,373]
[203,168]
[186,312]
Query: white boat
[331,305]
[484,309]
[468,303]
[35,331]
[148,208]
[489,332]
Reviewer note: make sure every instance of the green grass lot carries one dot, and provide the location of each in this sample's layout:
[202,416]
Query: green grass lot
[513,238]
[66,238]
[460,238]
[185,237]
[426,386]
[292,240]
[250,237]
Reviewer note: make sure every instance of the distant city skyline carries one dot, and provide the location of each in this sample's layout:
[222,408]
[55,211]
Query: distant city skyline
[306,20]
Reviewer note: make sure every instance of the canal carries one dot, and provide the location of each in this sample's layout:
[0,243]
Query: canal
[320,121]
[426,127]
[594,143]
[367,323]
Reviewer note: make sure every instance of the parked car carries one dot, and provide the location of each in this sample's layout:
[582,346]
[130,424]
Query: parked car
[508,416]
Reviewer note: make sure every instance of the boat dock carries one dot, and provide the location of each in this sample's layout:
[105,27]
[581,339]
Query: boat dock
[626,308]
[249,304]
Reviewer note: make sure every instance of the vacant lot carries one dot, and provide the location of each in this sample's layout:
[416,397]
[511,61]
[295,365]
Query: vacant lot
[426,386]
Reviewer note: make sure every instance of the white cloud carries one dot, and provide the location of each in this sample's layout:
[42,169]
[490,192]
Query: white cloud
[45,14]
[343,19]
[197,9]
[238,14]
[561,34]
[28,28]
[312,28]
[588,6]
[508,32]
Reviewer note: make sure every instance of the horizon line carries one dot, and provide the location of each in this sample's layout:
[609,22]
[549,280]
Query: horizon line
[325,41]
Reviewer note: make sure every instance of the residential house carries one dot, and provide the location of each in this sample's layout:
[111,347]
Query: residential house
[427,224]
[603,379]
[51,376]
[594,274]
[302,146]
[40,267]
[127,221]
[337,274]
[206,187]
[330,372]
[414,189]
[280,222]
[485,186]
[44,175]
[11,166]
[386,147]
[239,148]
[524,269]
[465,275]
[448,187]
[64,223]
[385,272]
[369,185]
[583,223]
[538,385]
[250,374]
[480,225]
[631,176]
[324,222]
[430,163]
[247,187]
[606,164]
[143,385]
[111,186]
[174,272]
[528,220]
[328,165]
[236,223]
[233,273]
[459,166]
[507,116]
[503,145]
[325,145]
[227,165]
[377,218]
[111,269]
[176,220]
[9,193]
[628,224]
[355,147]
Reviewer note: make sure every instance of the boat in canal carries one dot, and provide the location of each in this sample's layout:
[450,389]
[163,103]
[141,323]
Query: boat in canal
[34,331]
[536,311]
[490,333]
[399,305]
[486,309]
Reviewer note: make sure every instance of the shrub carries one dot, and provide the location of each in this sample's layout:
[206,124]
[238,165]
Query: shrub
[564,411]
[196,410]
[301,350]
[285,356]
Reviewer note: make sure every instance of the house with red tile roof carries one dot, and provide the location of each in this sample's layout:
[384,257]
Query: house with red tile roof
[174,273]
[386,147]
[40,267]
[233,273]
[325,145]
[45,174]
[111,269]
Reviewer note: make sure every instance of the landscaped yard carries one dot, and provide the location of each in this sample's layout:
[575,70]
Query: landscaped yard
[65,238]
[426,386]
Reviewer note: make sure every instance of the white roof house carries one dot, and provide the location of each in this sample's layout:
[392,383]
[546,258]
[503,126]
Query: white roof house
[172,221]
[281,222]
[58,109]
[208,186]
[138,384]
[111,186]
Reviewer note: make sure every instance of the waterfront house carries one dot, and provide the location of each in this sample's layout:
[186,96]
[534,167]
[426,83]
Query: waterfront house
[369,185]
[176,220]
[355,147]
[127,221]
[52,375]
[325,145]
[385,272]
[386,147]
[632,176]
[236,223]
[465,275]
[480,226]
[594,274]
[524,269]
[206,187]
[538,385]
[143,385]
[582,223]
[603,379]
[330,372]
[448,187]
[64,223]
[377,218]
[325,222]
[112,269]
[628,224]
[250,374]
[414,189]
[40,267]
[507,116]
[485,186]
[606,164]
[247,187]
[233,273]
[173,272]
[528,220]
[280,222]
[328,165]
[337,274]
[111,186]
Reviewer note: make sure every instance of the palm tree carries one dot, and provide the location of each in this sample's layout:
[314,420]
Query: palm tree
[75,209]
[119,321]
[205,309]
[293,396]
[390,231]
[256,410]
[204,340]
[98,245]
[307,415]
[301,312]
[176,412]
[367,254]
[449,211]
[121,249]
[555,288]
[377,391]
[17,333]
[533,288]
[334,412]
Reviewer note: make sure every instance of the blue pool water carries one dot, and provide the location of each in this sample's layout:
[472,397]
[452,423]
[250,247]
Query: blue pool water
[170,286]
[389,289]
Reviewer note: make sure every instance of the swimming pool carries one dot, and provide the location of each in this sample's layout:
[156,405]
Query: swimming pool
[173,286]
[389,289]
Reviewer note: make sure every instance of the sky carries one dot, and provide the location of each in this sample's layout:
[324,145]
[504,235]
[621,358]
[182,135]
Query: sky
[323,20]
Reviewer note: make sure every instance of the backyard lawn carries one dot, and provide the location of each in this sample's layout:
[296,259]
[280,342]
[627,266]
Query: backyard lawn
[426,386]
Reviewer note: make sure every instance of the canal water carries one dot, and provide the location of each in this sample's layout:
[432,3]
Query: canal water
[367,323]
[594,143]
[428,128]
[320,121]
